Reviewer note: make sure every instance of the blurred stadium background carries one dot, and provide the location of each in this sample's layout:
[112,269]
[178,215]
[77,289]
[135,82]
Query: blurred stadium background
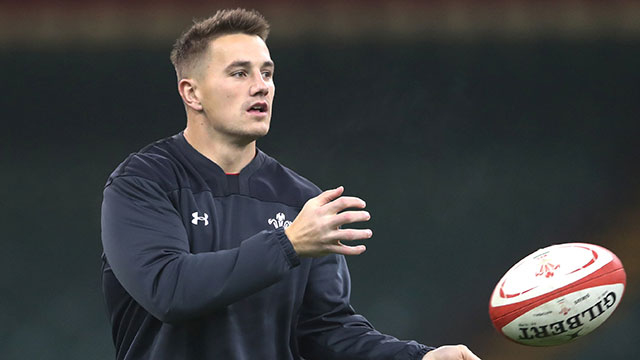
[477,131]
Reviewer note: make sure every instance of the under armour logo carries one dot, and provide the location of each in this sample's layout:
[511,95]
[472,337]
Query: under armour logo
[279,221]
[197,218]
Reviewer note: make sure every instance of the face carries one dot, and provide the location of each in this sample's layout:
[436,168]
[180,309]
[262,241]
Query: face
[235,87]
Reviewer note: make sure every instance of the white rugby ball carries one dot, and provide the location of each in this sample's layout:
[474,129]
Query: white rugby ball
[557,294]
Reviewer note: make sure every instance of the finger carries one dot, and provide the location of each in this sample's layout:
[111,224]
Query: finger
[352,234]
[347,250]
[467,354]
[329,195]
[345,202]
[349,217]
[471,356]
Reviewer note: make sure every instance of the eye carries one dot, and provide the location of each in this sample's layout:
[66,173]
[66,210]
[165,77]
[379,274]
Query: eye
[267,74]
[239,74]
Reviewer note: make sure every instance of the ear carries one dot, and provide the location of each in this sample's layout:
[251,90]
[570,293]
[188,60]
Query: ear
[189,94]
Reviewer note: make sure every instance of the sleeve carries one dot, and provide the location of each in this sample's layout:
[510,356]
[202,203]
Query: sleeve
[330,329]
[147,248]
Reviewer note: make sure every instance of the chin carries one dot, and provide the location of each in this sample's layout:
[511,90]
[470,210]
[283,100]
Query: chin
[261,130]
[255,134]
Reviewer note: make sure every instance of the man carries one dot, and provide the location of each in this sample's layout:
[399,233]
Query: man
[201,259]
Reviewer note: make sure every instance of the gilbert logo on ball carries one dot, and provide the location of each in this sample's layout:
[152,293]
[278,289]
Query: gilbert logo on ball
[557,294]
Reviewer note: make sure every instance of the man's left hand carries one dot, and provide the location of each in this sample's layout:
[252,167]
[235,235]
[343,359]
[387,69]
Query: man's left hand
[451,352]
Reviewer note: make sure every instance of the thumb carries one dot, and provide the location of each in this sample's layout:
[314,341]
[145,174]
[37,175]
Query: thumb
[330,195]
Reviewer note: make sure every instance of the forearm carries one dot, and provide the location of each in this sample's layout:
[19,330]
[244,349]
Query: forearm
[147,248]
[352,337]
[177,287]
[330,329]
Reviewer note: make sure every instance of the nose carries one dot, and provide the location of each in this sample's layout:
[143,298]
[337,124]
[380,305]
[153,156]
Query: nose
[259,86]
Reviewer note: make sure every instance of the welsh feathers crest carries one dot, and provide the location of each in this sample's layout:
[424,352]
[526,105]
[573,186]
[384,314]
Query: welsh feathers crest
[279,221]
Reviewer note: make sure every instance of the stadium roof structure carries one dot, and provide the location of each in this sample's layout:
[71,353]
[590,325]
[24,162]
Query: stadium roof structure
[42,23]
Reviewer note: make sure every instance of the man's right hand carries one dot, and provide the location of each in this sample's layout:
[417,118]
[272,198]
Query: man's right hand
[316,230]
[451,352]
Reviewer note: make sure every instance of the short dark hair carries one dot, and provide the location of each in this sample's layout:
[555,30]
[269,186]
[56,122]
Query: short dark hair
[194,42]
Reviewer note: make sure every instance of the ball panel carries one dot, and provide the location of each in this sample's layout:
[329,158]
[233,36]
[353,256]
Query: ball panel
[548,269]
[565,318]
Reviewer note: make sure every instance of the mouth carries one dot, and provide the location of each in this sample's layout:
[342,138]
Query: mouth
[258,108]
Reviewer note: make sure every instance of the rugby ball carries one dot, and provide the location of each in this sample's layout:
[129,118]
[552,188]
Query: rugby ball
[557,294]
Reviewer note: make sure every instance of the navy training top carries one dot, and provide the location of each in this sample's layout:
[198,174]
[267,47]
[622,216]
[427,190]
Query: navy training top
[196,265]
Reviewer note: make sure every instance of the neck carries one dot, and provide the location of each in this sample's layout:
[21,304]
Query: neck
[231,157]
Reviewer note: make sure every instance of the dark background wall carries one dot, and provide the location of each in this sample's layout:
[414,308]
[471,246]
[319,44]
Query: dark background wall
[470,154]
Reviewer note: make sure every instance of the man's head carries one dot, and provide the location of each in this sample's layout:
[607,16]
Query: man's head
[192,45]
[225,76]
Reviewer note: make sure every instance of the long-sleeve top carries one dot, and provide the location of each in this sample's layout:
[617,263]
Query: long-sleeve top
[196,265]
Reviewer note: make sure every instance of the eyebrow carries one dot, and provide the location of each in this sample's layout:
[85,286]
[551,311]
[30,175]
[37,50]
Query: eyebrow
[243,63]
